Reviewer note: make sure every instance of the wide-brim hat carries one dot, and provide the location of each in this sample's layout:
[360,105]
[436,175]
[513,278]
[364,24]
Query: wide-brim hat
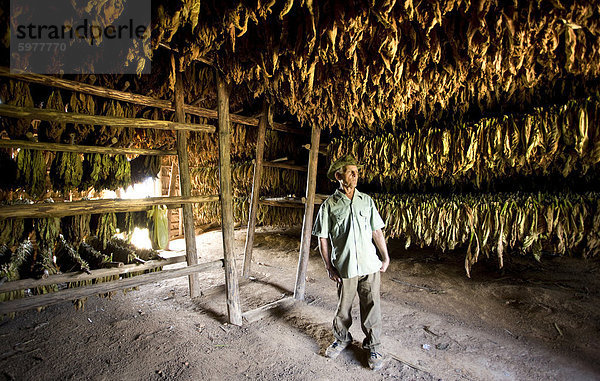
[340,163]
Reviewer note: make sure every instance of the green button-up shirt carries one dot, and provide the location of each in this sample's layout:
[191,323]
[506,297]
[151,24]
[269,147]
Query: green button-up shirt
[349,225]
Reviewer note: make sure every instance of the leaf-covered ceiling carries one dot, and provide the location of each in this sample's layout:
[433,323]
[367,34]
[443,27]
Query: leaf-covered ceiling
[369,63]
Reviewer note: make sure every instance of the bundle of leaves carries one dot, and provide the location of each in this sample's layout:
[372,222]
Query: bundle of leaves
[92,256]
[31,166]
[144,166]
[68,259]
[75,228]
[106,172]
[66,171]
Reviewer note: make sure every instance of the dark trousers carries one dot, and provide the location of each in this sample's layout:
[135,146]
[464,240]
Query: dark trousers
[367,287]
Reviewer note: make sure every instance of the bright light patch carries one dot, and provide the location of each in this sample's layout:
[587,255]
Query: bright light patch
[141,239]
[141,190]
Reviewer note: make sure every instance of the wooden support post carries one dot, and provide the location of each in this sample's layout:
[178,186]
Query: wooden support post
[258,169]
[311,185]
[233,297]
[184,184]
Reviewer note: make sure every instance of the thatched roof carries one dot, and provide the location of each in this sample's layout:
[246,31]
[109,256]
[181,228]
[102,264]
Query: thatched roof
[370,63]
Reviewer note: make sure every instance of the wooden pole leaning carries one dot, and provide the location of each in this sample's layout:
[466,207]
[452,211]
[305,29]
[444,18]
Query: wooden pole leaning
[258,170]
[311,185]
[234,309]
[171,193]
[185,185]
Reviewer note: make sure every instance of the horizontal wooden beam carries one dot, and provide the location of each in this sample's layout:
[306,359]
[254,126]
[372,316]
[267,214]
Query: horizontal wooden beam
[43,146]
[62,209]
[98,120]
[322,148]
[285,166]
[134,98]
[24,284]
[291,130]
[290,202]
[319,198]
[101,288]
[283,204]
[292,167]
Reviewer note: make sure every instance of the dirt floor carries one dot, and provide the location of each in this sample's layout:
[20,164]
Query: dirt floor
[531,321]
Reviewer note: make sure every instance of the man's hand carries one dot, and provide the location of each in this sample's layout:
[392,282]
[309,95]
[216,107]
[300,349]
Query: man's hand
[379,240]
[334,274]
[384,264]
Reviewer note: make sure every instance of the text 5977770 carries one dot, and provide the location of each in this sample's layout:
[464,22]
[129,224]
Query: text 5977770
[41,46]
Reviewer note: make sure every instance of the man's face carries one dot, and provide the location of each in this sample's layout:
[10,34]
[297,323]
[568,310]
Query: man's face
[348,177]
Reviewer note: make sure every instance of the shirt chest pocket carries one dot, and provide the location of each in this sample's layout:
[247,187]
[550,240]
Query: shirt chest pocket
[364,218]
[337,222]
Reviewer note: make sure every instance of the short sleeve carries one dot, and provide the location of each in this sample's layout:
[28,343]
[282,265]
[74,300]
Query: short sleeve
[376,220]
[321,226]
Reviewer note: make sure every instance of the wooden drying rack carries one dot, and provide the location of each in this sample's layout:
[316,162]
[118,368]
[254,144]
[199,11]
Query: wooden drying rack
[102,206]
[185,200]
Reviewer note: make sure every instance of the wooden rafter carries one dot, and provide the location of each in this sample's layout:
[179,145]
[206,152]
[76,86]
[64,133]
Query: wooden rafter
[71,117]
[57,147]
[134,98]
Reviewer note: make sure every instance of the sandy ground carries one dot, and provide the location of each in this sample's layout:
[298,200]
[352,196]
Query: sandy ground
[530,321]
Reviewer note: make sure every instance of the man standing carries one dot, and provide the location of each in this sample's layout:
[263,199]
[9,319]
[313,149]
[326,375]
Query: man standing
[350,221]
